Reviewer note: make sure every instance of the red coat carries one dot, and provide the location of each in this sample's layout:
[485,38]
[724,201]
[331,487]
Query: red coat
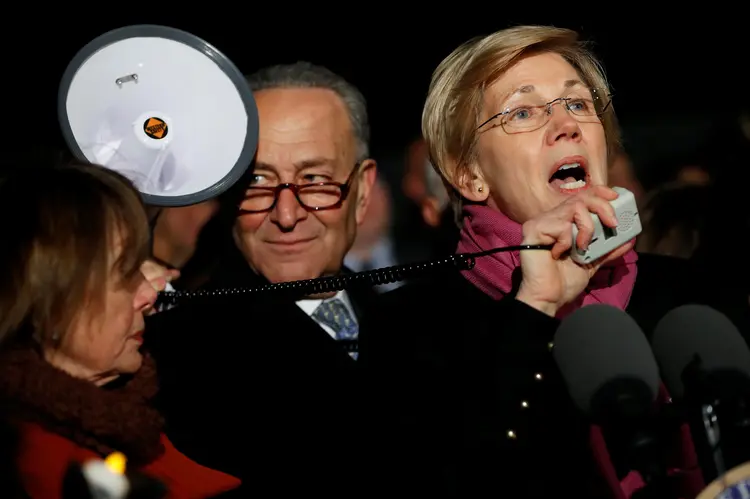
[44,457]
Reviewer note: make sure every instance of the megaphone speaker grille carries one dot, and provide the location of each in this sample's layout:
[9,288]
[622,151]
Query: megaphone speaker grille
[162,107]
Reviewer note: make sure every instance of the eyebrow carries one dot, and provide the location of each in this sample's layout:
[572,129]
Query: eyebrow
[300,165]
[528,89]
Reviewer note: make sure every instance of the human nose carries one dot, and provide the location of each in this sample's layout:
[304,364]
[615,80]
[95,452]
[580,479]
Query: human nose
[145,297]
[288,211]
[562,123]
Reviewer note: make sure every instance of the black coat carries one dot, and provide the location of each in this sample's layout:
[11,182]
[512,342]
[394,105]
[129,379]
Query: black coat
[252,386]
[453,372]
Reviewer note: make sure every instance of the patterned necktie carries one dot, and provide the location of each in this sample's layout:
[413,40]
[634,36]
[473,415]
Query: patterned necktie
[334,314]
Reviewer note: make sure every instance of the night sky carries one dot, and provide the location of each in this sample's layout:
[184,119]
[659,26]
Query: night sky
[684,70]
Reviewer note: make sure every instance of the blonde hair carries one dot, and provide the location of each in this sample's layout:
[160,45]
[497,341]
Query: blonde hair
[455,99]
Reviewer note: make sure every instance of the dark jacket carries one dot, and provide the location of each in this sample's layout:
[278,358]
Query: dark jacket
[473,402]
[251,384]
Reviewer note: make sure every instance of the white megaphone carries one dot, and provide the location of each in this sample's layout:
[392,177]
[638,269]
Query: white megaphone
[162,107]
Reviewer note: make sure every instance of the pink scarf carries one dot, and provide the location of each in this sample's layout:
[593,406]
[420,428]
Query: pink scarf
[486,228]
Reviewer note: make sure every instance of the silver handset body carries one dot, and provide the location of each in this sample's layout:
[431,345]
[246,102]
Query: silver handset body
[607,239]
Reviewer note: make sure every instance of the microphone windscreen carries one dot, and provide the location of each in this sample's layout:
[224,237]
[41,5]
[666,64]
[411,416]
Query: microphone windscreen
[599,345]
[692,330]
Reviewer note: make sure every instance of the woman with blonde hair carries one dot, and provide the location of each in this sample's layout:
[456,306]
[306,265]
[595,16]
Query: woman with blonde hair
[72,301]
[520,124]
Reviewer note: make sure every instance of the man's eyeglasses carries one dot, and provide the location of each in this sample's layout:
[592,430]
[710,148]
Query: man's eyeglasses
[587,105]
[312,197]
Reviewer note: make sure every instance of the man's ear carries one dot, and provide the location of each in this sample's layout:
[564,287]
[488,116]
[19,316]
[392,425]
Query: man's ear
[368,172]
[470,183]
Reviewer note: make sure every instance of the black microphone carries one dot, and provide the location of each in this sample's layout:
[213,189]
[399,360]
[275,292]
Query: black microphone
[705,363]
[612,376]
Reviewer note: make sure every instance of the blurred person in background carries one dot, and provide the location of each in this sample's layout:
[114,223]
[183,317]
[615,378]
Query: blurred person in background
[374,247]
[177,230]
[692,209]
[693,175]
[427,191]
[413,183]
[436,201]
[438,213]
[186,240]
[697,194]
[622,174]
[725,157]
[673,218]
[72,303]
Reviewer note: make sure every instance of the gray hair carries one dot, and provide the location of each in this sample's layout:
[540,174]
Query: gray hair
[307,75]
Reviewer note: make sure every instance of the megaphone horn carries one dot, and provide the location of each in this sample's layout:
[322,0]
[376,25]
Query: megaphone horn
[162,107]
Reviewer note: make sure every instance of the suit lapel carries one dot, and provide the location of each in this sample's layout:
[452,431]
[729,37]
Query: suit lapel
[295,324]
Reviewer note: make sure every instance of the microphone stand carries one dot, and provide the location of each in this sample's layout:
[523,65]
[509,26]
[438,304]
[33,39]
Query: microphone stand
[637,435]
[643,450]
[716,406]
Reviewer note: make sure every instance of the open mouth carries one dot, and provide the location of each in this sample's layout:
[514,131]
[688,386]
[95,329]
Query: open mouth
[569,175]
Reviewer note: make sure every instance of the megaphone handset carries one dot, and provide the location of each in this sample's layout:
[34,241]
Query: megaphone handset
[607,239]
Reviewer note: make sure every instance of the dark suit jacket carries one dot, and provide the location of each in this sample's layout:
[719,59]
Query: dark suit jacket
[453,372]
[251,385]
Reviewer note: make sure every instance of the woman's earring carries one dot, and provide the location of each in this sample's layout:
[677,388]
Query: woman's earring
[480,188]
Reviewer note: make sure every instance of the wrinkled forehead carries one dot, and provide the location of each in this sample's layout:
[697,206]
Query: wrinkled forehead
[289,154]
[542,77]
[301,127]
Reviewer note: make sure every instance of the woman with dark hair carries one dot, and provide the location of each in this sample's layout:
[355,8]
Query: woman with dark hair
[72,305]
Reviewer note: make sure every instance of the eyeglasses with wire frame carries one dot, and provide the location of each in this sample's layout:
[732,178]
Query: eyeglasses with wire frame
[529,114]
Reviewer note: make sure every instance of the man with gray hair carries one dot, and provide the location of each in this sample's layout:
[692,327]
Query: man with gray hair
[268,388]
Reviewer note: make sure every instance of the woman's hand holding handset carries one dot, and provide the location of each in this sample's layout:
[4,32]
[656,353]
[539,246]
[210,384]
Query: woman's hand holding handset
[551,279]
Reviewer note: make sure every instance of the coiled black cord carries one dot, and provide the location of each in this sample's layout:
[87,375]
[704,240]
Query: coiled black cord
[460,261]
